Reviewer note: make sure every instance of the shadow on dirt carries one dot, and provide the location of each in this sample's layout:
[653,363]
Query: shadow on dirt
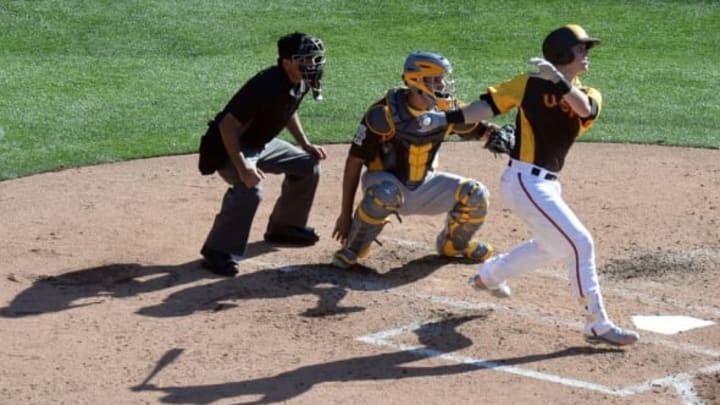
[95,285]
[438,337]
[327,283]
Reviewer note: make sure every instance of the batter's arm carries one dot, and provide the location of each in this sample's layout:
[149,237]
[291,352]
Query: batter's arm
[579,102]
[472,132]
[477,111]
[351,180]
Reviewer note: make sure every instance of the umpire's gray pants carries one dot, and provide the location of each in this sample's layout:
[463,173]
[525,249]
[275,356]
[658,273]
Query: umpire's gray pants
[231,229]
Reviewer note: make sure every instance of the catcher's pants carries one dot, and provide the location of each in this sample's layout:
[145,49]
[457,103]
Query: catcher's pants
[231,229]
[435,196]
[536,196]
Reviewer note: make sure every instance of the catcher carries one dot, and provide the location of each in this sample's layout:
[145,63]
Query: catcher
[401,176]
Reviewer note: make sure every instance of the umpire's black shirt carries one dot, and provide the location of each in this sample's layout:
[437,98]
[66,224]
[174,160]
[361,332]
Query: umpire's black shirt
[266,102]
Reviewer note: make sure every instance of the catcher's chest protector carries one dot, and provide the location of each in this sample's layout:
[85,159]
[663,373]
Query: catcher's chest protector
[410,153]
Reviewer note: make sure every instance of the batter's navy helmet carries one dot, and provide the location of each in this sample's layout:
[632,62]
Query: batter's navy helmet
[557,45]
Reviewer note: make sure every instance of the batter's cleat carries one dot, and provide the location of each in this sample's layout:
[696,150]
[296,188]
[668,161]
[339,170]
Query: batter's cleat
[616,336]
[344,258]
[502,291]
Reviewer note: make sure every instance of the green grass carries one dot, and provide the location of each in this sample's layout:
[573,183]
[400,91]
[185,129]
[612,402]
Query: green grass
[83,82]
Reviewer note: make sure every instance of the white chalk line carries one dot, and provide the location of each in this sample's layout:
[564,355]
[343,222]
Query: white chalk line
[681,382]
[634,294]
[687,392]
[631,294]
[545,319]
[627,293]
[526,311]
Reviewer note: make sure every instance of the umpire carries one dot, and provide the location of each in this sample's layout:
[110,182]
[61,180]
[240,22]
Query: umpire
[241,144]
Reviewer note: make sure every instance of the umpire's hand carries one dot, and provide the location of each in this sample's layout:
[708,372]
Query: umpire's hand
[251,177]
[317,151]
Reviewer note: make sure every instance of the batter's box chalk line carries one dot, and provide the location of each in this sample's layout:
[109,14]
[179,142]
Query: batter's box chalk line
[681,382]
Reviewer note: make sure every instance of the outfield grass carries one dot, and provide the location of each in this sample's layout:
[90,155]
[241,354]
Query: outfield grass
[94,81]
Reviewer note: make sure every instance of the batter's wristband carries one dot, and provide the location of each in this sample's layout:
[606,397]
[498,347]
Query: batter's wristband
[563,87]
[455,117]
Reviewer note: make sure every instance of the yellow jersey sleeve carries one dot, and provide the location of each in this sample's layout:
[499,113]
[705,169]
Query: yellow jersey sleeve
[508,95]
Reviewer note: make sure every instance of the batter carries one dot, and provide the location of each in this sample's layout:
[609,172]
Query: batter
[553,110]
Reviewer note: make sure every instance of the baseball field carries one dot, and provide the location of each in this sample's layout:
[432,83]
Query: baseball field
[102,295]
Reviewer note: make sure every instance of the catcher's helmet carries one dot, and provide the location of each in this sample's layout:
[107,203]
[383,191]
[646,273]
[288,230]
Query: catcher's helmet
[430,75]
[557,45]
[310,52]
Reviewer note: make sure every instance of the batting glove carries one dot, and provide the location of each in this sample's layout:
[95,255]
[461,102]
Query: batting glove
[546,70]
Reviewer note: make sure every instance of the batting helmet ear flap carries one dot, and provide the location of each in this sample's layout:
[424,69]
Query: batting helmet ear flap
[562,57]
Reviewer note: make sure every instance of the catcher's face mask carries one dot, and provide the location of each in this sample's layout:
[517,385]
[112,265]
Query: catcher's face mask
[441,89]
[430,74]
[311,61]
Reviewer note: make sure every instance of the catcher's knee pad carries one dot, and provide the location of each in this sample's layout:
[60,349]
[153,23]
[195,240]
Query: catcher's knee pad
[363,231]
[380,200]
[471,196]
[466,217]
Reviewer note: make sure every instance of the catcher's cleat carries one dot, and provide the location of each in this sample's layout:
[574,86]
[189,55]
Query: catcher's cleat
[502,291]
[478,251]
[616,336]
[344,258]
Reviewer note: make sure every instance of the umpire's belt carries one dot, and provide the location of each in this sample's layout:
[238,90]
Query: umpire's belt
[525,167]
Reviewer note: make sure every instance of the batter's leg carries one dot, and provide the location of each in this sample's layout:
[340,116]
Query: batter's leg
[527,256]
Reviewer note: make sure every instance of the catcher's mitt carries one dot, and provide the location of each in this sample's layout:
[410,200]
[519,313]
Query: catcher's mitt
[501,140]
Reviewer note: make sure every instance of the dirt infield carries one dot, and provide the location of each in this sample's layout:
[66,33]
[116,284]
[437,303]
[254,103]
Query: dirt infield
[103,300]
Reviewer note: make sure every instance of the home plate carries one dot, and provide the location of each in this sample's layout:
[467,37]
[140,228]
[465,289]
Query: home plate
[668,324]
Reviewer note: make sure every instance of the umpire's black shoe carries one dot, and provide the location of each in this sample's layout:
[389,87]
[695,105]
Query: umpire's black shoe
[293,235]
[218,262]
